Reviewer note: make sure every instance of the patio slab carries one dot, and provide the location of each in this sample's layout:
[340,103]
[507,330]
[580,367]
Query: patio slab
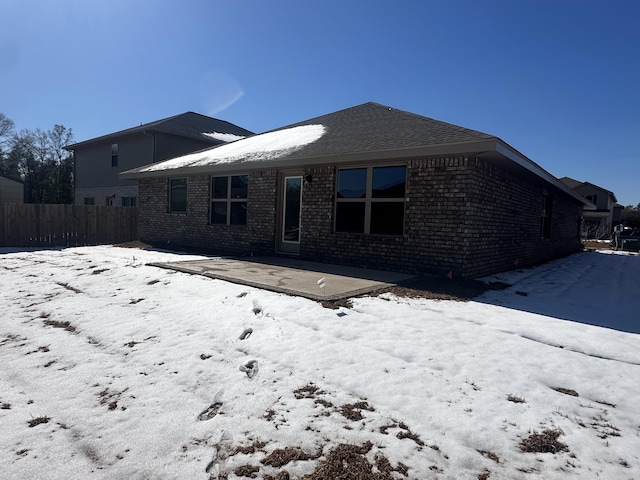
[317,281]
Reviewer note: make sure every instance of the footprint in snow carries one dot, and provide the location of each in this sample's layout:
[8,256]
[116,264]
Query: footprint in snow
[246,333]
[217,467]
[250,368]
[242,294]
[212,410]
[257,309]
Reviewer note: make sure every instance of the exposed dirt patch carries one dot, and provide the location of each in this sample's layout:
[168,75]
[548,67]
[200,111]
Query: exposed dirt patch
[308,391]
[336,304]
[353,411]
[253,448]
[484,475]
[250,471]
[37,421]
[281,456]
[442,289]
[596,245]
[135,244]
[110,399]
[349,462]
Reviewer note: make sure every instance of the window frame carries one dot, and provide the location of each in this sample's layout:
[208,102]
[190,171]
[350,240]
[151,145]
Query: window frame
[170,206]
[115,151]
[369,200]
[129,201]
[89,201]
[229,201]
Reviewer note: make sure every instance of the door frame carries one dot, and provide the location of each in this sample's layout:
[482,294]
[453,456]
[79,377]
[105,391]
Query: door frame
[285,246]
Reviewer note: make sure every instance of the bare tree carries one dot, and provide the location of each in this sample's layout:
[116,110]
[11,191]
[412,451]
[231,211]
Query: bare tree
[6,128]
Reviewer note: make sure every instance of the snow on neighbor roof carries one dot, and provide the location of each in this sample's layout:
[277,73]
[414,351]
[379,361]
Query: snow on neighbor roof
[225,137]
[267,146]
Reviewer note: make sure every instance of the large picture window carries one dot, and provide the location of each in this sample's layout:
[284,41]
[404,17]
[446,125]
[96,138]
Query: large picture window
[371,200]
[229,200]
[178,195]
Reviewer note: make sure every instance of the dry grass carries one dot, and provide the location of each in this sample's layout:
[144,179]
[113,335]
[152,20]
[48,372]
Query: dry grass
[437,288]
[250,471]
[347,462]
[353,411]
[489,455]
[484,475]
[308,391]
[56,324]
[566,391]
[281,456]
[516,398]
[543,442]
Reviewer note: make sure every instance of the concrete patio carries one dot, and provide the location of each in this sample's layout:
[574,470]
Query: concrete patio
[317,281]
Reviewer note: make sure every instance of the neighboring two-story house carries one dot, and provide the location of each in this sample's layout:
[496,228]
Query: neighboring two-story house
[11,190]
[99,161]
[599,221]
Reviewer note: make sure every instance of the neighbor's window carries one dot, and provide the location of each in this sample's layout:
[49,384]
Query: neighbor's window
[114,155]
[371,200]
[129,201]
[89,200]
[547,203]
[178,195]
[229,200]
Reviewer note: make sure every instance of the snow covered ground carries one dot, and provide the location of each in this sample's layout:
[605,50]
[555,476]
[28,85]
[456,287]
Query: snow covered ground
[111,369]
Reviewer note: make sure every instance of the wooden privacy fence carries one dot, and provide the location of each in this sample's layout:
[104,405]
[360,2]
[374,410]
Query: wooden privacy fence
[39,225]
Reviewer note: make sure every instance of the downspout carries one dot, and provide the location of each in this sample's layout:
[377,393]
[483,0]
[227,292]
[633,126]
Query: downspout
[153,145]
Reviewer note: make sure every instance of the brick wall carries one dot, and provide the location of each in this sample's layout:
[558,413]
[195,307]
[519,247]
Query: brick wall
[463,216]
[503,228]
[192,229]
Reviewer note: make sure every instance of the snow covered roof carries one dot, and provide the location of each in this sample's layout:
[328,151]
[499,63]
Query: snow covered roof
[367,132]
[188,124]
[268,146]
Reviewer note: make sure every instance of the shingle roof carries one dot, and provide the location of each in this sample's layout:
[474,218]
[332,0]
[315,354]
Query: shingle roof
[367,129]
[574,184]
[189,124]
[367,132]
[375,127]
[570,182]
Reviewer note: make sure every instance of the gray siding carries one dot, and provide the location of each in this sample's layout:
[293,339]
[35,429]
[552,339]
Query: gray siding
[93,162]
[11,191]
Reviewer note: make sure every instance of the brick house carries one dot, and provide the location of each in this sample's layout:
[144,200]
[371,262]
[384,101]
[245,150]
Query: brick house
[368,186]
[99,161]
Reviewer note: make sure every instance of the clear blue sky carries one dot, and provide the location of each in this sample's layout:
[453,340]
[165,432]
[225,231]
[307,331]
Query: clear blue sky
[558,80]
